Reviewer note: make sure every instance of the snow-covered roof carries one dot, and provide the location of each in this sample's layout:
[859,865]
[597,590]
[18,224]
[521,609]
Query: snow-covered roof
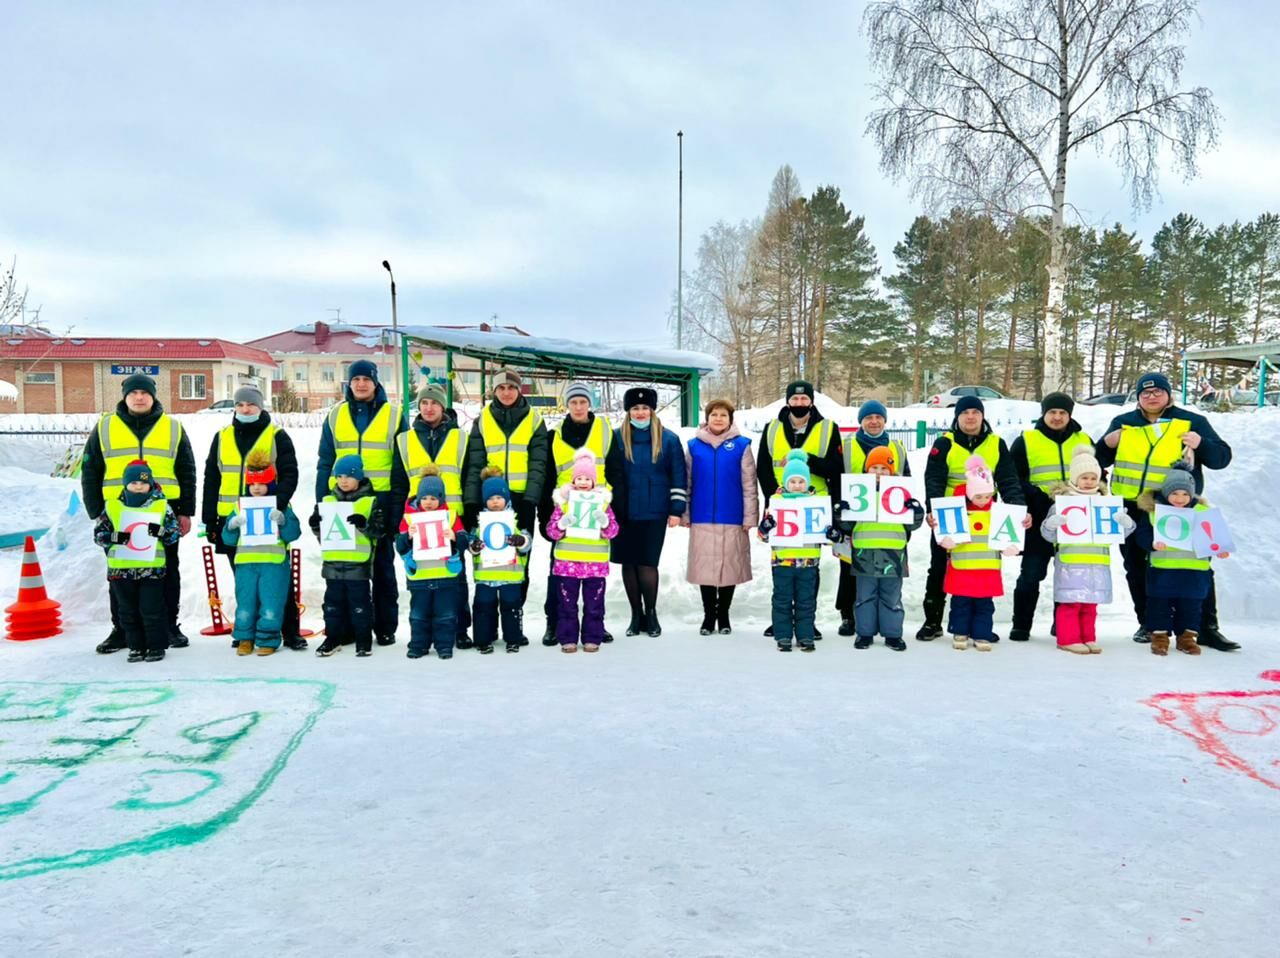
[547,351]
[8,390]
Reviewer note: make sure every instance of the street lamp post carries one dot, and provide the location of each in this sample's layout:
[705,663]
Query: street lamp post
[395,332]
[680,241]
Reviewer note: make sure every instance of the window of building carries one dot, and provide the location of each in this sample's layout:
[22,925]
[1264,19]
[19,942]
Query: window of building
[328,373]
[191,386]
[37,379]
[346,372]
[277,374]
[300,373]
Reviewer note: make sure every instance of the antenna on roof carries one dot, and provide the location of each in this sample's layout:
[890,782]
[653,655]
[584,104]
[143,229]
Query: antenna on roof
[337,313]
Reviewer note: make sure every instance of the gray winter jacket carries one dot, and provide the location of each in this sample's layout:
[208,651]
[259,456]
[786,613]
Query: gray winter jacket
[1087,584]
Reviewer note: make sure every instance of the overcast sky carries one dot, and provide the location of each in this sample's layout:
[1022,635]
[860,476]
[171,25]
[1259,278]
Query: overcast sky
[238,169]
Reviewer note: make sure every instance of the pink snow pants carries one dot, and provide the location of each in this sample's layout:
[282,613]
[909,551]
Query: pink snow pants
[1077,622]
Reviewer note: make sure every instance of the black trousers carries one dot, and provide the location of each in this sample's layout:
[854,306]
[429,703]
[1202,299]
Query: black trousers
[348,612]
[171,591]
[935,600]
[386,589]
[1135,576]
[140,603]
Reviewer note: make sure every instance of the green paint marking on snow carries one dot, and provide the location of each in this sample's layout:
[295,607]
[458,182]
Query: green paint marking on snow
[103,754]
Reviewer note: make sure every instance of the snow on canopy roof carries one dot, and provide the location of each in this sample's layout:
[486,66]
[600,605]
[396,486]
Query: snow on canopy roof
[8,390]
[532,350]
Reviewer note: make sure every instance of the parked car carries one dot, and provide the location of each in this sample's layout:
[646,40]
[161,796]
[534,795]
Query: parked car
[948,397]
[1108,399]
[221,406]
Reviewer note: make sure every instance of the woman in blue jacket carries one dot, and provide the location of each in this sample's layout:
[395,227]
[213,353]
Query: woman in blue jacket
[651,498]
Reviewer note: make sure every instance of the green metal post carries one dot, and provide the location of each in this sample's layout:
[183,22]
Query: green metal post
[448,375]
[404,373]
[1262,381]
[922,434]
[695,400]
[1184,380]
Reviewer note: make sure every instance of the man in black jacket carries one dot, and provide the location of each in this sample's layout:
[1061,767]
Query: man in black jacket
[1161,434]
[140,417]
[970,435]
[224,481]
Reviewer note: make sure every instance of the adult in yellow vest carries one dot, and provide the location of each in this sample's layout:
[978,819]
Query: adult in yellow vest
[435,439]
[970,435]
[580,429]
[139,428]
[1139,447]
[1042,459]
[871,434]
[510,435]
[224,480]
[365,424]
[800,426]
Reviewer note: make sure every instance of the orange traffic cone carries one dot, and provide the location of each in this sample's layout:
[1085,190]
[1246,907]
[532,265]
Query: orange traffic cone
[34,615]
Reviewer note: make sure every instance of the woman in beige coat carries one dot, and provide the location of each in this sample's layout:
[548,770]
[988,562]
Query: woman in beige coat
[723,509]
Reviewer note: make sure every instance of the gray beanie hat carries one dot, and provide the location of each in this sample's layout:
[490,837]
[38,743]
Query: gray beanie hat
[577,389]
[433,391]
[1179,479]
[250,394]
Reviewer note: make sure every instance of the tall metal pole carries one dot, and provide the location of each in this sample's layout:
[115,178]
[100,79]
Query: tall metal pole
[680,243]
[395,332]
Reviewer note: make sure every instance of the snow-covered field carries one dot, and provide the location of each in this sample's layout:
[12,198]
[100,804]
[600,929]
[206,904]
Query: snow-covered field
[681,796]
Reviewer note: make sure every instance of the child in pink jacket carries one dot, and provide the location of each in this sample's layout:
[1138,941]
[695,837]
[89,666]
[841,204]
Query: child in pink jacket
[581,563]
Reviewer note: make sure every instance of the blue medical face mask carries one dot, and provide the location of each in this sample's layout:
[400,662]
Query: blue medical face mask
[640,425]
[242,417]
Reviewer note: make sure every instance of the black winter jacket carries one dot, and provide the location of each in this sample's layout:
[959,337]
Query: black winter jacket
[935,471]
[1213,453]
[1039,502]
[93,467]
[828,466]
[246,434]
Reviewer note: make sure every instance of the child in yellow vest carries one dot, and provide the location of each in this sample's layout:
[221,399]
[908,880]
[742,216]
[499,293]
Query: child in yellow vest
[138,584]
[974,577]
[498,587]
[262,572]
[581,565]
[433,585]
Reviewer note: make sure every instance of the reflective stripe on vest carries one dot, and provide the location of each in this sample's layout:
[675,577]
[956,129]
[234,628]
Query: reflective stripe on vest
[816,443]
[501,574]
[449,460]
[117,557]
[375,446]
[273,554]
[855,457]
[362,549]
[431,569]
[581,550]
[159,447]
[1180,558]
[879,535]
[1143,456]
[1084,554]
[598,441]
[957,456]
[509,453]
[975,553]
[1049,462]
[231,465]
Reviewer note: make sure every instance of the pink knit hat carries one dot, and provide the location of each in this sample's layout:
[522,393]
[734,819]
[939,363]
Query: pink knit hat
[584,466]
[977,477]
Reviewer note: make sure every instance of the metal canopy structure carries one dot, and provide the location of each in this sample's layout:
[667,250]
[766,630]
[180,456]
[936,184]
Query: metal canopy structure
[1263,356]
[565,359]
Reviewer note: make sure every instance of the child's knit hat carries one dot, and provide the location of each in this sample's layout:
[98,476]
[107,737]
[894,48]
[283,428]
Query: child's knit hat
[430,484]
[493,483]
[139,471]
[1083,463]
[258,468]
[977,477]
[797,465]
[1179,479]
[882,456]
[349,466]
[584,466]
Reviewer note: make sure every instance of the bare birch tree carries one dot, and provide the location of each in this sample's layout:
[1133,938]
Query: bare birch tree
[985,101]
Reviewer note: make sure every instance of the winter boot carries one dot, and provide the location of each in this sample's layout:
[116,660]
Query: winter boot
[651,623]
[863,641]
[982,645]
[384,640]
[1024,613]
[363,653]
[817,634]
[135,655]
[266,650]
[295,642]
[606,636]
[928,632]
[112,643]
[566,647]
[244,647]
[637,623]
[329,646]
[485,649]
[847,628]
[1094,648]
[1142,636]
[769,633]
[959,642]
[1076,648]
[1187,642]
[463,641]
[1159,643]
[784,646]
[513,646]
[549,637]
[444,656]
[708,626]
[1213,638]
[807,646]
[414,654]
[176,639]
[896,644]
[154,655]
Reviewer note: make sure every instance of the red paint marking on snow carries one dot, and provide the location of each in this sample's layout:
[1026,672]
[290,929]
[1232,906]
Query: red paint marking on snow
[1212,719]
[1271,675]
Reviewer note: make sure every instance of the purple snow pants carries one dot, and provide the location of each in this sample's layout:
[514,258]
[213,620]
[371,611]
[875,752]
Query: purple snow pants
[592,610]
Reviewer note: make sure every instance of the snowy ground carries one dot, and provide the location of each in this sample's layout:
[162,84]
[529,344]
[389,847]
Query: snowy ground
[680,796]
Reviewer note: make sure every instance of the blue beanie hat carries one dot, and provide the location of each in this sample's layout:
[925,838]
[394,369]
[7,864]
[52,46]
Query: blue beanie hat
[362,367]
[797,465]
[349,466]
[1153,381]
[872,407]
[495,486]
[432,486]
[965,403]
[138,471]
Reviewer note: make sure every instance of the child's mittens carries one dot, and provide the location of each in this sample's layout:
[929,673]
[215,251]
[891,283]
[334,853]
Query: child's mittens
[1011,551]
[476,546]
[237,520]
[948,543]
[563,522]
[1054,523]
[517,539]
[120,538]
[314,521]
[453,564]
[410,565]
[834,535]
[357,520]
[276,516]
[767,525]
[1127,523]
[602,518]
[402,543]
[154,529]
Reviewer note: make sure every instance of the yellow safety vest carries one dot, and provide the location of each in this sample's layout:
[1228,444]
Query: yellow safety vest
[118,556]
[879,535]
[816,442]
[159,447]
[510,453]
[976,554]
[1180,558]
[272,554]
[362,546]
[1144,455]
[1048,462]
[1070,554]
[501,574]
[599,441]
[855,457]
[231,465]
[799,552]
[957,456]
[449,460]
[376,446]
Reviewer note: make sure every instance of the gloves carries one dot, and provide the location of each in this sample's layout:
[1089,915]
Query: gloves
[154,530]
[563,522]
[358,520]
[1127,523]
[410,566]
[476,547]
[236,521]
[314,521]
[517,539]
[834,535]
[767,525]
[602,518]
[453,564]
[841,506]
[120,538]
[1054,523]
[276,516]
